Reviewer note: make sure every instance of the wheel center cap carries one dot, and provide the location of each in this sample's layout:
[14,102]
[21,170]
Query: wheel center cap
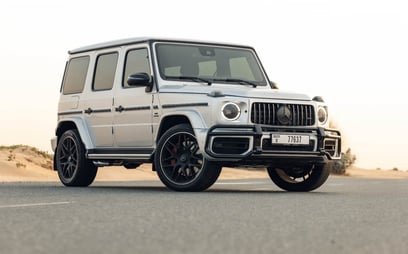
[183,158]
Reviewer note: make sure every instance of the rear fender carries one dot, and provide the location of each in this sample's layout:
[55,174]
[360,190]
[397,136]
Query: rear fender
[79,124]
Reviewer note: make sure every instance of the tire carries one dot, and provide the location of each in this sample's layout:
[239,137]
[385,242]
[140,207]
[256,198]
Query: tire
[179,164]
[300,179]
[72,166]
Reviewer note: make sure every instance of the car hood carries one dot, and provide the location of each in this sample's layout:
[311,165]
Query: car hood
[234,91]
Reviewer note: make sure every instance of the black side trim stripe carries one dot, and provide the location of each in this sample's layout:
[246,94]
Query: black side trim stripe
[200,104]
[137,108]
[101,110]
[90,111]
[69,113]
[120,109]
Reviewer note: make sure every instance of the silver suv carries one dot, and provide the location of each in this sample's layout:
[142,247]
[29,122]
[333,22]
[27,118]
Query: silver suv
[189,108]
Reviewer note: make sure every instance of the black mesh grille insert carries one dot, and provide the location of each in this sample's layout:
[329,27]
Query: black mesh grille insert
[330,146]
[234,145]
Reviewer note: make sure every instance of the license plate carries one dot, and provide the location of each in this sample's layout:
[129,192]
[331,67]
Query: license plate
[290,139]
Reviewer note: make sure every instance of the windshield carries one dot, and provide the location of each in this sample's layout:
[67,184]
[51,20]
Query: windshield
[209,63]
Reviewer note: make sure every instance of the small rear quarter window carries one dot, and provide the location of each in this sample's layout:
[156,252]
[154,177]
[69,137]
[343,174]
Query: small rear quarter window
[75,75]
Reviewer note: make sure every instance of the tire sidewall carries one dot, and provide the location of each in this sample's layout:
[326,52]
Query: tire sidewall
[67,135]
[319,175]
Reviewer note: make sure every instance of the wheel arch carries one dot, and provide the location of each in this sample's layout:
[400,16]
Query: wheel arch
[192,118]
[74,124]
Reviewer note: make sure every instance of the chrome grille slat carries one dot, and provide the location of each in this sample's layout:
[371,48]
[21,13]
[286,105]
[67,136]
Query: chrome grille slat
[266,113]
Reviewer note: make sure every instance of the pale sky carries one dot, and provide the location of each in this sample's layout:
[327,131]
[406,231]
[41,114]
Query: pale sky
[354,53]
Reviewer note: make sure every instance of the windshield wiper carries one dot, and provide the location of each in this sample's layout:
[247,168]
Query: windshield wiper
[239,81]
[195,79]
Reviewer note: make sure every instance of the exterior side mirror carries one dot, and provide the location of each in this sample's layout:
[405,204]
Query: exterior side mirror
[139,79]
[273,84]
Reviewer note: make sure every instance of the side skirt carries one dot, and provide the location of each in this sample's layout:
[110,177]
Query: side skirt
[132,154]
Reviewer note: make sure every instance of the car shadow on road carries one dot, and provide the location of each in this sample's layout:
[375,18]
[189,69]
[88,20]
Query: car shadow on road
[212,191]
[264,191]
[155,187]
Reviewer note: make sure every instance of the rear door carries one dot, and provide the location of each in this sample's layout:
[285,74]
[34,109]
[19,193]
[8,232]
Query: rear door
[98,102]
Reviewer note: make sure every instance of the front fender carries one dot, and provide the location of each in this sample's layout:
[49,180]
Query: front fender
[196,120]
[200,128]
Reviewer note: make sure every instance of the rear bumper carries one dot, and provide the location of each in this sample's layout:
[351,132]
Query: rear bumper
[252,144]
[54,143]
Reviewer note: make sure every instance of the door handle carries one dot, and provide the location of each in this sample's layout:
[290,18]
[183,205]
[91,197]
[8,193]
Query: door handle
[88,111]
[119,109]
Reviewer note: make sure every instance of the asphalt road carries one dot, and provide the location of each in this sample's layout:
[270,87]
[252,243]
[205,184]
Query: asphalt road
[246,216]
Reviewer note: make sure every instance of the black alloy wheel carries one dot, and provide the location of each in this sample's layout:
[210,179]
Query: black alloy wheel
[72,166]
[179,163]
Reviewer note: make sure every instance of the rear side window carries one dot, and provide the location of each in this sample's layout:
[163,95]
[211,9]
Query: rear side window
[75,75]
[105,72]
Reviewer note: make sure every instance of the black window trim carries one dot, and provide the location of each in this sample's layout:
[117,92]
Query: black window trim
[96,65]
[63,77]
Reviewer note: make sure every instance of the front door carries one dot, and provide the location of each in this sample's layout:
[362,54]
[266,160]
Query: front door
[132,125]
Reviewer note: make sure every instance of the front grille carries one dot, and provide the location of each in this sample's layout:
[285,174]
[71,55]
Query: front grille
[296,115]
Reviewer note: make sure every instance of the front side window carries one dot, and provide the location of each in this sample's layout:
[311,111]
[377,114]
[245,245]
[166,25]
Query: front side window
[75,75]
[137,61]
[105,72]
[214,63]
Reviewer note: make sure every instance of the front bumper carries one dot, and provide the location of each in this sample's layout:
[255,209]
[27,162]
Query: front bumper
[253,143]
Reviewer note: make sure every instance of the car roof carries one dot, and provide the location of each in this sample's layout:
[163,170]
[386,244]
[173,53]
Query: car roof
[135,40]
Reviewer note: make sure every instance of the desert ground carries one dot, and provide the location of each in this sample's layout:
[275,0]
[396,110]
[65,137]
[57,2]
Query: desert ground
[28,164]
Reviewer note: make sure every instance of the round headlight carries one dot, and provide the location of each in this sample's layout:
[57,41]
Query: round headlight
[231,111]
[322,115]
